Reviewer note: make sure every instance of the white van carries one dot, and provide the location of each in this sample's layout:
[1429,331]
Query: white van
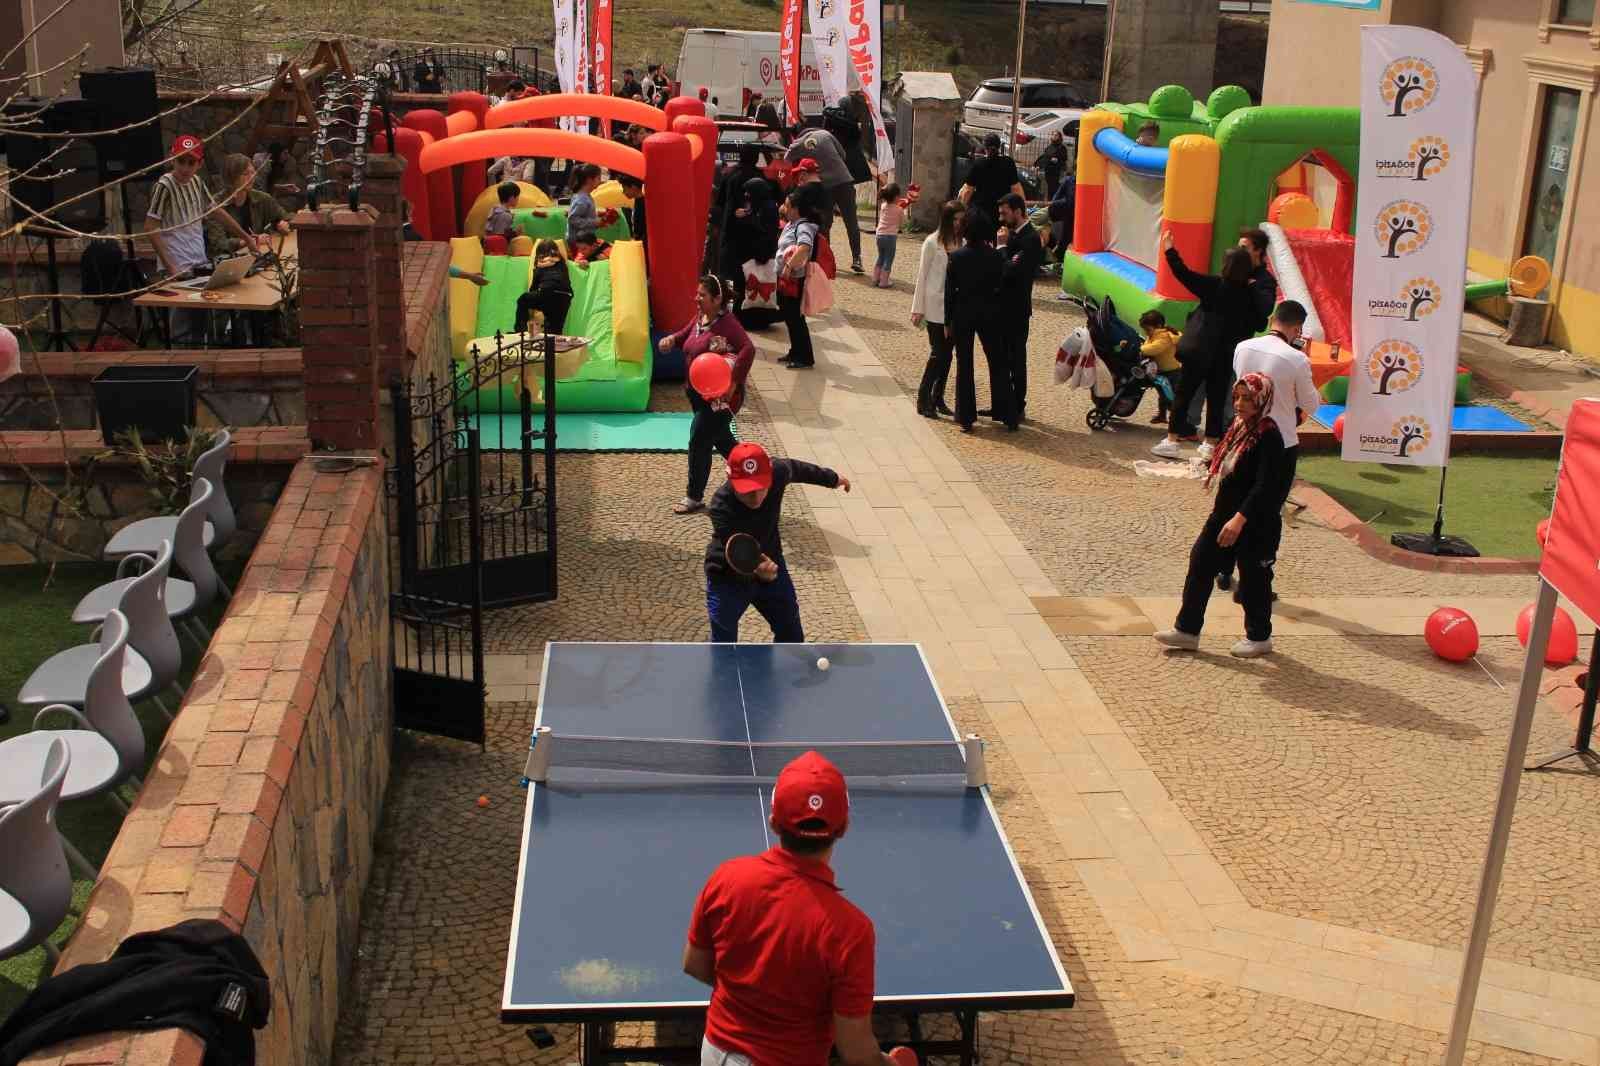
[733,64]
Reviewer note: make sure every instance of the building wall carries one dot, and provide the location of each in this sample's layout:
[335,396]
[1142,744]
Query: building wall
[94,25]
[1501,38]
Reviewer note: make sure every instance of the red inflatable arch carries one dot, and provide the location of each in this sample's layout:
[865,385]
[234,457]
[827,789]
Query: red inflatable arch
[555,144]
[593,105]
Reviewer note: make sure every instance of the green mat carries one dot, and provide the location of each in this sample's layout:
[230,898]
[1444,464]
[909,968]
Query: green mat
[647,431]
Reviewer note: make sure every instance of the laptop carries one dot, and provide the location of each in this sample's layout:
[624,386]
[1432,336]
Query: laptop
[228,272]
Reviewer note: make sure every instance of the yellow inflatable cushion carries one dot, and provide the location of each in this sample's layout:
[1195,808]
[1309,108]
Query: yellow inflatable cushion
[466,253]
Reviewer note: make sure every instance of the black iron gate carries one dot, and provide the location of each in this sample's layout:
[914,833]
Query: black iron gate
[475,517]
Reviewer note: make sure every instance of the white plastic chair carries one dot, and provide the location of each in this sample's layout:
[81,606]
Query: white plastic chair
[145,536]
[35,885]
[107,744]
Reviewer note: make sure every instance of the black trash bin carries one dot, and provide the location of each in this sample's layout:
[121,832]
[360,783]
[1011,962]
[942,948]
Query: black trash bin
[157,398]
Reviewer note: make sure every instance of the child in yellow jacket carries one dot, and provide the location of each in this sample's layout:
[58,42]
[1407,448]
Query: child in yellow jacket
[1161,344]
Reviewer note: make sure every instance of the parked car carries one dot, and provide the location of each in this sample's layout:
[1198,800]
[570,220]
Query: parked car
[989,107]
[1033,135]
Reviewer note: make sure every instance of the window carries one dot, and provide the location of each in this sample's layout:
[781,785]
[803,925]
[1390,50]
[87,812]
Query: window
[1575,12]
[1552,167]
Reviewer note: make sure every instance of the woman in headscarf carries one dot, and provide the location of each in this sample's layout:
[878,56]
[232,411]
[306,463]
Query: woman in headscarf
[1246,524]
[752,237]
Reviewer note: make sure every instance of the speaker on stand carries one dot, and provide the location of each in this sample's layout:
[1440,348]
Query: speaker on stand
[127,101]
[55,180]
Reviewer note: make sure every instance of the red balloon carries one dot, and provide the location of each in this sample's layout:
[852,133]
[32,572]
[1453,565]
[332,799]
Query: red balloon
[710,375]
[1452,634]
[1563,646]
[1338,429]
[10,354]
[1541,531]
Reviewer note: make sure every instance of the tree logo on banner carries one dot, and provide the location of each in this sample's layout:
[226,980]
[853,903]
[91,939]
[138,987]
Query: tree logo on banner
[1427,158]
[1409,84]
[1404,434]
[1394,366]
[1402,228]
[1417,299]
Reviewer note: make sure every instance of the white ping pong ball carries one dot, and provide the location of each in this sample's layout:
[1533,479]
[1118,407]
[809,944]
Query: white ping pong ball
[822,663]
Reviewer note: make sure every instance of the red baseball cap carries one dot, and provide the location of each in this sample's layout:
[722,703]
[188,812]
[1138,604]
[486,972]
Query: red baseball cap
[751,468]
[704,92]
[188,144]
[807,166]
[811,789]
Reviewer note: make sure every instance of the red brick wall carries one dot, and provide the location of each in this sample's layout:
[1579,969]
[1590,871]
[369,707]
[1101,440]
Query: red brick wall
[261,807]
[340,324]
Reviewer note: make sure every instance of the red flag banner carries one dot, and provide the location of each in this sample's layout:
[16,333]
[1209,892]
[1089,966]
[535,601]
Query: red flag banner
[789,58]
[602,55]
[1571,559]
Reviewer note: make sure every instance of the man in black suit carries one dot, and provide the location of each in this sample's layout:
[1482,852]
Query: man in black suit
[1024,253]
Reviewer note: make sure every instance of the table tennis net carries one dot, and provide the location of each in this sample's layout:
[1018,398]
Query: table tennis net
[865,762]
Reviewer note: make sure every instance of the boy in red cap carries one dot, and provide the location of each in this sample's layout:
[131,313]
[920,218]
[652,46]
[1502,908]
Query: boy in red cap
[788,958]
[751,501]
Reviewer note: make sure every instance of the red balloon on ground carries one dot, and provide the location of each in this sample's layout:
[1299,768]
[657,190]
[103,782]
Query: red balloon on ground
[1563,646]
[710,375]
[1338,429]
[1541,531]
[1452,634]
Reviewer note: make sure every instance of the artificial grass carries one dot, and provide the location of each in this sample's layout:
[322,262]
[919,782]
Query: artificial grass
[1492,500]
[36,619]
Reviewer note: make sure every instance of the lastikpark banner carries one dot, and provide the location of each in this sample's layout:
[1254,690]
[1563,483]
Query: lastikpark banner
[790,32]
[566,61]
[1419,104]
[848,35]
[602,55]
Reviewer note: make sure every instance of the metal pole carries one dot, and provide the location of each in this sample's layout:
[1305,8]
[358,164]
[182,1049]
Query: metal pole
[1438,514]
[1505,807]
[1105,69]
[1016,77]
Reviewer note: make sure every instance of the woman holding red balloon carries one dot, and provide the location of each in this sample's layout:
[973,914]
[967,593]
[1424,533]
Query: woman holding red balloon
[720,355]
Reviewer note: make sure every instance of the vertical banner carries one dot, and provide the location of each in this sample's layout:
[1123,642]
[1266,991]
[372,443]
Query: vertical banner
[1571,558]
[580,49]
[602,55]
[865,45]
[565,61]
[828,34]
[1419,102]
[790,33]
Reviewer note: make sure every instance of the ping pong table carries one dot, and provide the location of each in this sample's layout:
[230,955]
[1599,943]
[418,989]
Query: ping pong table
[625,821]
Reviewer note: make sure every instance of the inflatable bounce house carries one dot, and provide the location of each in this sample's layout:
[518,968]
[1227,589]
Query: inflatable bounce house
[1217,169]
[615,301]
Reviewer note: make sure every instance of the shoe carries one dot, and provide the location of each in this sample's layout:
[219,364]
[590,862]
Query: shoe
[1177,638]
[967,428]
[687,506]
[927,412]
[1189,438]
[1224,582]
[1158,419]
[1204,452]
[939,405]
[1012,427]
[1251,649]
[985,412]
[1166,449]
[855,267]
[799,366]
[1064,297]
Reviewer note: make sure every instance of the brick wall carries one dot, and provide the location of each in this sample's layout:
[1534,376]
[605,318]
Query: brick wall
[261,807]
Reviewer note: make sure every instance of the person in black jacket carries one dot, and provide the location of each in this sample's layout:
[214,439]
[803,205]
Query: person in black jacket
[751,501]
[1228,315]
[1263,286]
[752,235]
[1024,253]
[551,291]
[729,198]
[633,189]
[1052,162]
[971,292]
[1246,523]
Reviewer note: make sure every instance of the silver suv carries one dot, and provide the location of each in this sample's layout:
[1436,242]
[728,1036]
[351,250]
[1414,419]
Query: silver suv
[989,109]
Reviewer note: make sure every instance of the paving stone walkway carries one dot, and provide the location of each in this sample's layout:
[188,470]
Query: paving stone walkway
[1239,863]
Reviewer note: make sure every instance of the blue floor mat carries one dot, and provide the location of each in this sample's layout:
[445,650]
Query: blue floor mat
[1473,419]
[646,431]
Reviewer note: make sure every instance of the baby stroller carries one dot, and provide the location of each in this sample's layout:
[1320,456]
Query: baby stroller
[1116,345]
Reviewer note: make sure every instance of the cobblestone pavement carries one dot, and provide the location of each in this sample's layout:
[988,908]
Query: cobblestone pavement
[1316,809]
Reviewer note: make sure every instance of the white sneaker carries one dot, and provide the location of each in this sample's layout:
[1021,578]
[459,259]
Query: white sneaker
[1250,649]
[1177,638]
[1167,449]
[1204,452]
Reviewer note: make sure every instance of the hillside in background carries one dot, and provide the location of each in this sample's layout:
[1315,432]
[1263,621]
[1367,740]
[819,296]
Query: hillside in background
[973,39]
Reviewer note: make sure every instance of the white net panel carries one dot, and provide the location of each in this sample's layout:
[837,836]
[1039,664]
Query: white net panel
[1133,215]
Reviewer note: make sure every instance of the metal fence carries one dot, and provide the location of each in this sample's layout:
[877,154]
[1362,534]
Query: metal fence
[474,69]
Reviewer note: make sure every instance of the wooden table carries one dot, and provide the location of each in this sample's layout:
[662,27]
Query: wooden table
[259,292]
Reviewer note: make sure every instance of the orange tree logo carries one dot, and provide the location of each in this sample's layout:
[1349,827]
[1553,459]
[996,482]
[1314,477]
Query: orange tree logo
[1429,156]
[1403,227]
[1421,296]
[1412,429]
[1409,85]
[1394,366]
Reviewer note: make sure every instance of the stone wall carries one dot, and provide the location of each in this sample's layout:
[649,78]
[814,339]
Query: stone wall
[261,806]
[34,526]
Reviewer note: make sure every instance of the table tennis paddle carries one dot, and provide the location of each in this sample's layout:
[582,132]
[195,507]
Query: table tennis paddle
[743,553]
[903,1056]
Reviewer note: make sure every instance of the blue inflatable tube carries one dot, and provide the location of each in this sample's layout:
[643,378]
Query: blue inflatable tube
[1117,147]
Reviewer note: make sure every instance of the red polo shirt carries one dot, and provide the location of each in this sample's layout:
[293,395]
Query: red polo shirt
[791,952]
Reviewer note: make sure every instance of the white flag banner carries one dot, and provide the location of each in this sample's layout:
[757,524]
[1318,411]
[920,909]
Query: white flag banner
[865,45]
[829,29]
[566,61]
[581,50]
[1419,103]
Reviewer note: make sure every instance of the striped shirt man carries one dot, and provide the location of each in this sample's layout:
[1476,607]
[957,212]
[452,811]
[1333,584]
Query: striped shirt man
[179,208]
